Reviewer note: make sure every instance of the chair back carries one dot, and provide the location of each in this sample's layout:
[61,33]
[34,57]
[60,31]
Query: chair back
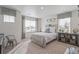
[1,38]
[10,37]
[2,43]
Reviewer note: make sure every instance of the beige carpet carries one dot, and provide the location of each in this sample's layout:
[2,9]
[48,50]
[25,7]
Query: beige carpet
[27,47]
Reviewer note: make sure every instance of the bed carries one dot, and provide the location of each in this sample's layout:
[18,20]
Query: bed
[42,38]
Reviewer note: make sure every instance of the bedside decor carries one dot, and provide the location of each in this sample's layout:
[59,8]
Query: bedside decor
[75,30]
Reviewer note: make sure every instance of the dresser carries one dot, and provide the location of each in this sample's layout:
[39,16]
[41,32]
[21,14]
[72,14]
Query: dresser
[69,38]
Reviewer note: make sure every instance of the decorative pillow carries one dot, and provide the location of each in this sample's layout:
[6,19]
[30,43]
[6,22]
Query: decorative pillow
[52,30]
[48,30]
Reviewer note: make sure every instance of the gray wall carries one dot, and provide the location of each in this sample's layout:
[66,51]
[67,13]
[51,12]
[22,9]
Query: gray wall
[12,28]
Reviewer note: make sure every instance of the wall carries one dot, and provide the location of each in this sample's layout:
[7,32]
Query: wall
[18,26]
[12,28]
[44,22]
[75,20]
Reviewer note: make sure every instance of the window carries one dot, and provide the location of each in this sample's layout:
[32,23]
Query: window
[30,25]
[9,18]
[64,25]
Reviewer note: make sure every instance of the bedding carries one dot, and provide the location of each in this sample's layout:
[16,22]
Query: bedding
[42,38]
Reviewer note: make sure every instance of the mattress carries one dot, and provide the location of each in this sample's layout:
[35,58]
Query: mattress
[47,36]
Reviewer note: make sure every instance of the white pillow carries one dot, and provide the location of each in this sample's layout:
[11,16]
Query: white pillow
[52,30]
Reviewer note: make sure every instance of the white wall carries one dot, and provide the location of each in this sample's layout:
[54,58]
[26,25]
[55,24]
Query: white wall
[75,20]
[12,28]
[44,22]
[18,26]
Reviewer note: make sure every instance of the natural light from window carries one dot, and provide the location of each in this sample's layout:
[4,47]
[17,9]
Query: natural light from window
[8,18]
[64,25]
[30,25]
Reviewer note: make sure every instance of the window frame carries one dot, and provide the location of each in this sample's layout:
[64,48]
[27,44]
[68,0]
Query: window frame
[69,24]
[9,17]
[31,30]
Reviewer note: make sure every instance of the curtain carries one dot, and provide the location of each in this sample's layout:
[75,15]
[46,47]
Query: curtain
[38,25]
[23,33]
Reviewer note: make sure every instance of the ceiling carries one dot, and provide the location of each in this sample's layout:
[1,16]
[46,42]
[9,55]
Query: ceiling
[42,10]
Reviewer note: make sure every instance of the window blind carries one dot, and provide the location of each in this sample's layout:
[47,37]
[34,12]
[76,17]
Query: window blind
[64,15]
[7,11]
[30,18]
